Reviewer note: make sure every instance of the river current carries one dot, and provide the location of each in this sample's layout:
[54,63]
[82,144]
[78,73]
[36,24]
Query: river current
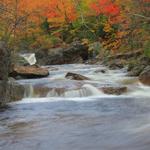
[61,114]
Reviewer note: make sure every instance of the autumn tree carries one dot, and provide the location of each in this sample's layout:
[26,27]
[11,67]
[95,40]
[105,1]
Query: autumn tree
[61,11]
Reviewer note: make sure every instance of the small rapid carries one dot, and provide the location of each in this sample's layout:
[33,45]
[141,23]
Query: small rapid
[63,114]
[57,86]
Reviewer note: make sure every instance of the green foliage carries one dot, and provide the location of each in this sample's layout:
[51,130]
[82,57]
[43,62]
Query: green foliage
[147,48]
[92,29]
[45,26]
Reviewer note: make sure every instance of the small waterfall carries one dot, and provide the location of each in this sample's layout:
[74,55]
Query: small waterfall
[85,91]
[29,91]
[76,93]
[92,90]
[30,58]
[56,93]
[140,91]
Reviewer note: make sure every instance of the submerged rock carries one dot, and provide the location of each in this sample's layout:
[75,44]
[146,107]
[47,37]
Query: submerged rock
[114,90]
[145,76]
[29,72]
[74,76]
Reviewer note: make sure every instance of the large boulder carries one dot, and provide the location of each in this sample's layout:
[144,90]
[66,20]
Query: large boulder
[16,91]
[29,72]
[114,90]
[74,76]
[75,53]
[145,76]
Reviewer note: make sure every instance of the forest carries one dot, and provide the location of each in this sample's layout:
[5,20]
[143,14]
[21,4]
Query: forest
[117,25]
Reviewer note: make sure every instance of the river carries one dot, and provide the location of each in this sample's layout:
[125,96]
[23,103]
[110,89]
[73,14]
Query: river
[62,114]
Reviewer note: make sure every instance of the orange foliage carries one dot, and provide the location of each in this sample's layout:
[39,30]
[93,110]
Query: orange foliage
[106,7]
[61,11]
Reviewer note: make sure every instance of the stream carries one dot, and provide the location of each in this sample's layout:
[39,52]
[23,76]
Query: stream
[61,114]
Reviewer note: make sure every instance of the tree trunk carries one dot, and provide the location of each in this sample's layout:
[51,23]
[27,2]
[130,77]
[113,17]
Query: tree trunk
[4,71]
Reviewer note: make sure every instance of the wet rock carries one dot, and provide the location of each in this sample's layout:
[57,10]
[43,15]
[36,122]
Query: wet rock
[75,53]
[114,90]
[74,76]
[29,72]
[145,76]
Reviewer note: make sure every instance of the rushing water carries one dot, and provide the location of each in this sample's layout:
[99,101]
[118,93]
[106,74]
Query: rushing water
[61,114]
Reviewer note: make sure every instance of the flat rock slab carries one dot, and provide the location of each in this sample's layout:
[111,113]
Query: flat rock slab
[74,76]
[29,72]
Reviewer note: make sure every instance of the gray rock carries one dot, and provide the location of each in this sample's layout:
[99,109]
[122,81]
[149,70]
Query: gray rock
[75,53]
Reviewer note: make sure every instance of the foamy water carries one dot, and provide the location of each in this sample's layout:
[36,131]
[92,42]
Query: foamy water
[57,86]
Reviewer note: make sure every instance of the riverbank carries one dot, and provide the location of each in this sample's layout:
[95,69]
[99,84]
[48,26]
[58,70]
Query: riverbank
[136,63]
